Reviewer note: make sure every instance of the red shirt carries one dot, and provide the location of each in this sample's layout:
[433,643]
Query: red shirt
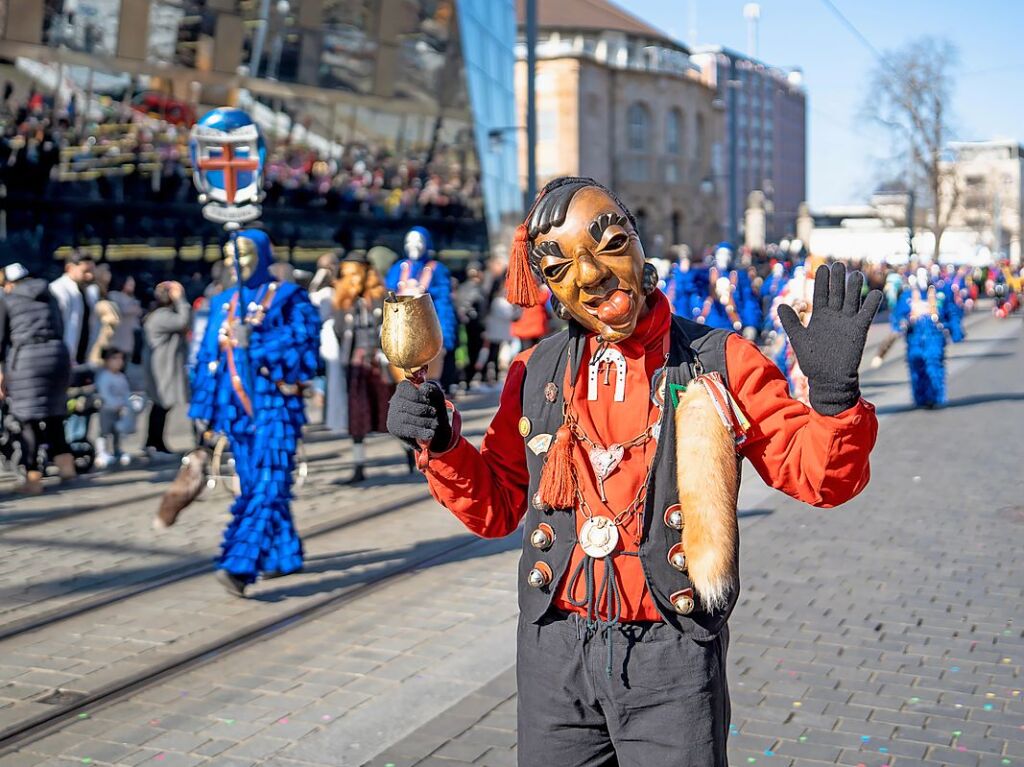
[821,460]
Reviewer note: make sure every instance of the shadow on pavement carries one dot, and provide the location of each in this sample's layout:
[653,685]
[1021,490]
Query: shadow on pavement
[978,399]
[430,553]
[744,513]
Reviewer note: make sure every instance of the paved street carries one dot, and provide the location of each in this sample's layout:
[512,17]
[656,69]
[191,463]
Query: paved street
[887,632]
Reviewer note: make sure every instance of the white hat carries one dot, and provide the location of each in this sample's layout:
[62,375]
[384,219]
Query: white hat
[14,272]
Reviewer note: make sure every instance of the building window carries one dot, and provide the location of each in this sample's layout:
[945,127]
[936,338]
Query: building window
[673,132]
[638,118]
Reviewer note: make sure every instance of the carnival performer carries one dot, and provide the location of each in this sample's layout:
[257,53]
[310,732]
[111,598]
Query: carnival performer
[773,285]
[358,302]
[420,273]
[741,300]
[618,440]
[247,385]
[797,294]
[684,288]
[923,313]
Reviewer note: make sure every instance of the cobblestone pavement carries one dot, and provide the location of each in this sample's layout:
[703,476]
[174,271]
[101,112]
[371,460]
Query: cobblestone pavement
[887,632]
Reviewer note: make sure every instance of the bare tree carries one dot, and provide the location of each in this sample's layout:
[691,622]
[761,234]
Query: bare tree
[910,95]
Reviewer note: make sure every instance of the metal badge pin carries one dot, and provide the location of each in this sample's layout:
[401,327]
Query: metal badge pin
[550,391]
[543,537]
[683,601]
[524,426]
[540,576]
[677,557]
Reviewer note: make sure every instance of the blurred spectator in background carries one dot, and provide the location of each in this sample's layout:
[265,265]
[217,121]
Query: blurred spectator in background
[76,304]
[35,371]
[165,357]
[471,308]
[127,335]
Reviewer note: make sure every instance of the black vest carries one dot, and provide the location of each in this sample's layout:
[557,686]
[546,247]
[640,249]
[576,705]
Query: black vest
[689,343]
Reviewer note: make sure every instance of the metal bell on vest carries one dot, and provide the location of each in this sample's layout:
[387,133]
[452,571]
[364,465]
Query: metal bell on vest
[540,576]
[538,504]
[677,557]
[543,537]
[674,516]
[682,601]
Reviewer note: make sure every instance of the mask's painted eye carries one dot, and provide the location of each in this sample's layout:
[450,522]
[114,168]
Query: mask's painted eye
[617,242]
[555,271]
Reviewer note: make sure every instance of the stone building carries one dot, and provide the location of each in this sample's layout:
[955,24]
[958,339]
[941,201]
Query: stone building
[765,129]
[620,101]
[989,177]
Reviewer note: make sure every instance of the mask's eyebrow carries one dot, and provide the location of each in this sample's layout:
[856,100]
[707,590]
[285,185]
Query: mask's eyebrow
[602,222]
[548,248]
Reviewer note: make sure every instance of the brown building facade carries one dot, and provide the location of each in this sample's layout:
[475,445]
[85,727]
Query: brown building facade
[620,102]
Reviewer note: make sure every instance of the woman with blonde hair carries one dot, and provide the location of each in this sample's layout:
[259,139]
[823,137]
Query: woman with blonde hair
[358,309]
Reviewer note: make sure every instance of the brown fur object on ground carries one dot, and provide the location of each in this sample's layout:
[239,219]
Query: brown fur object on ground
[708,477]
[185,488]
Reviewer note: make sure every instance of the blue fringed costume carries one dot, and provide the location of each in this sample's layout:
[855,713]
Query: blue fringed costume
[260,411]
[926,317]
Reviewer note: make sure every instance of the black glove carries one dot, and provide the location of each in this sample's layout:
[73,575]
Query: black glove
[830,347]
[418,415]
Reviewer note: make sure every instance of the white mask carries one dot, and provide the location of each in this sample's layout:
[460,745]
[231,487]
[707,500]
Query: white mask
[723,258]
[415,246]
[723,288]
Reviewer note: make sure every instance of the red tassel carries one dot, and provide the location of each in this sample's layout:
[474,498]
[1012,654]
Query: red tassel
[557,488]
[521,287]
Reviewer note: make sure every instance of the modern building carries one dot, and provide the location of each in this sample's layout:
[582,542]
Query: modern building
[620,101]
[989,184]
[404,94]
[765,128]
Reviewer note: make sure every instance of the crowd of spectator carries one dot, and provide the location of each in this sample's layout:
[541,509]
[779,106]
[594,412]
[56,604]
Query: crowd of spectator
[52,152]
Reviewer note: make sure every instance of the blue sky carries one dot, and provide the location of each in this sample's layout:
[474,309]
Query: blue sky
[845,155]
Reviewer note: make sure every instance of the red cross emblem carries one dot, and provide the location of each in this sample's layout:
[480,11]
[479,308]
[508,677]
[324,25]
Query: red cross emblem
[231,166]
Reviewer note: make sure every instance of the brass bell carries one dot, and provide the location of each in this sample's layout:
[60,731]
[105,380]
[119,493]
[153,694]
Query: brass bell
[542,537]
[540,576]
[682,601]
[538,504]
[677,557]
[674,516]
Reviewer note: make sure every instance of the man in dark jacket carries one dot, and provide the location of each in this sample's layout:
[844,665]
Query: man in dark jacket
[36,365]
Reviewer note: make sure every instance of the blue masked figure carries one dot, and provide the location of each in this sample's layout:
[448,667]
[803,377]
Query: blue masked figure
[417,274]
[925,314]
[684,288]
[246,385]
[727,300]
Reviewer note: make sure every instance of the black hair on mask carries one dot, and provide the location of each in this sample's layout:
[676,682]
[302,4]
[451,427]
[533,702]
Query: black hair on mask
[553,203]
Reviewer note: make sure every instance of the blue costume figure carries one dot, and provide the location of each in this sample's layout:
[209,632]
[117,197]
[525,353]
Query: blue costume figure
[246,385]
[732,308]
[417,274]
[683,289]
[922,311]
[770,290]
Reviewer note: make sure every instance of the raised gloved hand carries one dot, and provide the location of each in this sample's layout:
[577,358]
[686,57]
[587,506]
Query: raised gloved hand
[420,416]
[829,349]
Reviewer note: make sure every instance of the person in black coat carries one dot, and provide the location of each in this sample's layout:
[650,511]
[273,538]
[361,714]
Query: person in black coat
[35,369]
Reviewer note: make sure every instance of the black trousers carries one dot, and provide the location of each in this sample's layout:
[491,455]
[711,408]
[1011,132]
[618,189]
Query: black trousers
[49,432]
[665,702]
[155,429]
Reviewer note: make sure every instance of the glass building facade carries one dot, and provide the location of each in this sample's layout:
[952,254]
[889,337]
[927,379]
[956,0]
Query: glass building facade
[393,111]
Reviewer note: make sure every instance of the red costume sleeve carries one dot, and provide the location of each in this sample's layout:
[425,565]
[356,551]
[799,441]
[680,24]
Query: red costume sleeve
[486,489]
[821,460]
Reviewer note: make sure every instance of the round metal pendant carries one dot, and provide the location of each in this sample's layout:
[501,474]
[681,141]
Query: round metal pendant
[598,537]
[525,426]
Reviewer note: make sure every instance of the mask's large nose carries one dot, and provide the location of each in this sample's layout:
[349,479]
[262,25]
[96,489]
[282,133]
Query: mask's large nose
[590,271]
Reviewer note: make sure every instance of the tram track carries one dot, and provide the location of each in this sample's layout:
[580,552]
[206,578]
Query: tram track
[35,727]
[195,567]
